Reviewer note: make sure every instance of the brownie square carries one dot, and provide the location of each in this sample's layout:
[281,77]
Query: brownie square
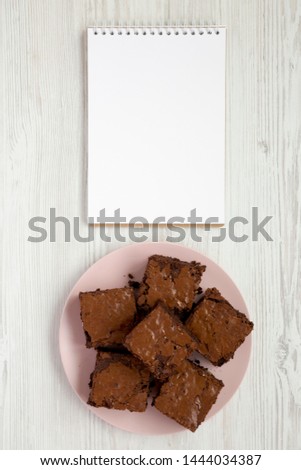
[161,342]
[219,327]
[171,281]
[119,381]
[107,316]
[188,396]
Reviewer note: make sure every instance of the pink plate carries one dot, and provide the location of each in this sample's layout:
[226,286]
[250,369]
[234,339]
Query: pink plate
[112,271]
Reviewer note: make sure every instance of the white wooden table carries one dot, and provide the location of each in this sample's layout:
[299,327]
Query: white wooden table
[43,144]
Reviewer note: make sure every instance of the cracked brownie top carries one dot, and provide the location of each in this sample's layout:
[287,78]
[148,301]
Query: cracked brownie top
[161,342]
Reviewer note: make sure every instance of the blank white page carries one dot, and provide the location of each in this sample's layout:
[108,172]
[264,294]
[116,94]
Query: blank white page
[156,122]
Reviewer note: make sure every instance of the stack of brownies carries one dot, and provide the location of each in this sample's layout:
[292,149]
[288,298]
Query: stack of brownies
[145,334]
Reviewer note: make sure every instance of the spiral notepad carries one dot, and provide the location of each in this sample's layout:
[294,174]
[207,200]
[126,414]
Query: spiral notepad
[156,123]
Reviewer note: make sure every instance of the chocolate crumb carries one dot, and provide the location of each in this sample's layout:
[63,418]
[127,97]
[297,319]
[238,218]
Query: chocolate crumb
[134,284]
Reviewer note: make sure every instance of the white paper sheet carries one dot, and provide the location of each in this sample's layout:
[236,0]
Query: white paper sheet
[156,122]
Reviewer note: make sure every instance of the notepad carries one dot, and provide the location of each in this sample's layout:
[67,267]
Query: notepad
[156,123]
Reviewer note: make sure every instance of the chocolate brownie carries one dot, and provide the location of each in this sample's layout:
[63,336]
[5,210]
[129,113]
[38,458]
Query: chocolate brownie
[187,396]
[161,342]
[119,381]
[219,327]
[171,281]
[107,316]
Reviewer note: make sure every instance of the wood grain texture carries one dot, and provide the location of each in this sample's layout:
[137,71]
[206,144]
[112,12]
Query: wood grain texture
[43,109]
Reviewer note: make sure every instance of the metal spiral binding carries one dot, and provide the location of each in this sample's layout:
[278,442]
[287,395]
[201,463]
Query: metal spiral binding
[160,30]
